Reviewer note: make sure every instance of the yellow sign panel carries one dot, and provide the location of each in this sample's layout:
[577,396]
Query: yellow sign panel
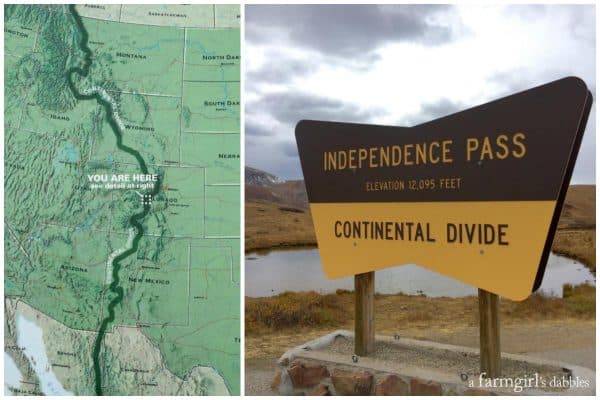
[475,242]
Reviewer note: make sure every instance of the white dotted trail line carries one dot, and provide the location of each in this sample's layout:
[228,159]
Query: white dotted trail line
[113,104]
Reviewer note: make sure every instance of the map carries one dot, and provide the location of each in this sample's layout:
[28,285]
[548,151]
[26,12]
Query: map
[122,199]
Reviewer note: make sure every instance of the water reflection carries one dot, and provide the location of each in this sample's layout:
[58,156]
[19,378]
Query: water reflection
[271,273]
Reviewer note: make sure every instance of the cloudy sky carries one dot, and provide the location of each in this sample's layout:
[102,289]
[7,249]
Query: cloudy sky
[402,65]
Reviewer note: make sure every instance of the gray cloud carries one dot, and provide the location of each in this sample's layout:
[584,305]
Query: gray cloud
[517,80]
[256,129]
[282,69]
[440,108]
[357,30]
[582,20]
[528,11]
[433,110]
[290,149]
[581,17]
[290,107]
[585,167]
[280,158]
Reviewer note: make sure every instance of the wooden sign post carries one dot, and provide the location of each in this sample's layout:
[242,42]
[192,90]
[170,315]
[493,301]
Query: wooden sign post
[364,313]
[489,334]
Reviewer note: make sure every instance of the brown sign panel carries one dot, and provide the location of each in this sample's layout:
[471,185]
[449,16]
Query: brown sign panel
[475,195]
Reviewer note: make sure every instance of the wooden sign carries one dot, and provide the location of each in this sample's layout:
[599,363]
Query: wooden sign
[475,195]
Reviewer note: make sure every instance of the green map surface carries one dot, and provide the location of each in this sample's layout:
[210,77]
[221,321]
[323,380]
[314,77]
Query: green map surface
[133,284]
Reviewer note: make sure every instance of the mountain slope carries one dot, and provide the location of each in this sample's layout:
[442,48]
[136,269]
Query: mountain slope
[263,186]
[260,178]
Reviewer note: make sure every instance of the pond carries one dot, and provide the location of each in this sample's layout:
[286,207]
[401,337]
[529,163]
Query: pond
[300,270]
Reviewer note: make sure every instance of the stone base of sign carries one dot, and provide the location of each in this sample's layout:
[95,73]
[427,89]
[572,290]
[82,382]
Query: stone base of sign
[401,367]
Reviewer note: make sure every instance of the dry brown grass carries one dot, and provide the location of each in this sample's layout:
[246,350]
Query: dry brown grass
[576,234]
[577,244]
[579,210]
[270,225]
[309,310]
[294,309]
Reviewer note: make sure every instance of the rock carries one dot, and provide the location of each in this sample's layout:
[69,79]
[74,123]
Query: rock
[284,361]
[321,390]
[352,383]
[276,381]
[420,387]
[286,387]
[391,385]
[306,374]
